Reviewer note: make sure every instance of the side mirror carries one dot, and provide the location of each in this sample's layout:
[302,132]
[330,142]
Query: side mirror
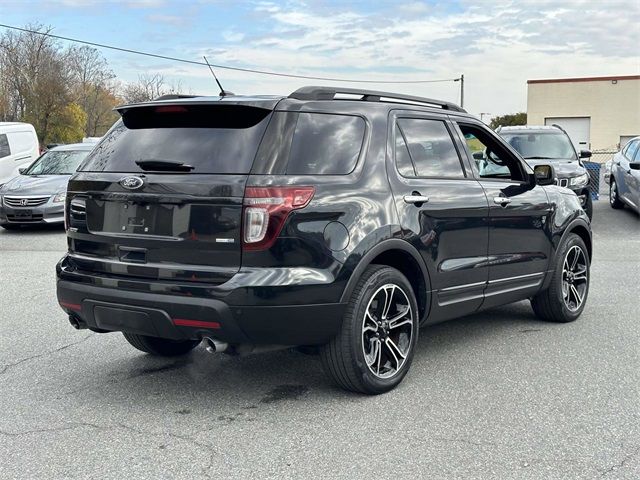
[585,153]
[544,174]
[634,165]
[21,171]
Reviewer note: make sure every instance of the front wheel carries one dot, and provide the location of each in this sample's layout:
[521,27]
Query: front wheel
[160,347]
[566,296]
[375,347]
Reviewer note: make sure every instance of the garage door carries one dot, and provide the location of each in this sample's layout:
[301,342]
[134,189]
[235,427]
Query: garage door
[578,128]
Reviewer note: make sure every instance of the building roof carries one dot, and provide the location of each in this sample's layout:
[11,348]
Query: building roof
[585,79]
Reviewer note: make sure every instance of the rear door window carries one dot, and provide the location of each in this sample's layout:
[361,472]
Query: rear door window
[5,151]
[311,144]
[212,139]
[430,147]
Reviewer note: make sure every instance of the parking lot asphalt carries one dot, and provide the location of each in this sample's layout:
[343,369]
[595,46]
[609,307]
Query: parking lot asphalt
[494,395]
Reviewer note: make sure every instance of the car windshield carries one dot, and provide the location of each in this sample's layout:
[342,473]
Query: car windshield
[553,146]
[57,162]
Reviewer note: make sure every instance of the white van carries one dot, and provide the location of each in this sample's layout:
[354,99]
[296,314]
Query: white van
[18,148]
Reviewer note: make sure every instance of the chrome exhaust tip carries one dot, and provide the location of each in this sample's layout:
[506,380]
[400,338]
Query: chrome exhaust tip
[215,346]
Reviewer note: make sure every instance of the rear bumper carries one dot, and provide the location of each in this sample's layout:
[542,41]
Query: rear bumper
[182,317]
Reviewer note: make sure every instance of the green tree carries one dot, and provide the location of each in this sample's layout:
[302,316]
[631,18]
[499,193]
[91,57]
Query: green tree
[67,125]
[509,119]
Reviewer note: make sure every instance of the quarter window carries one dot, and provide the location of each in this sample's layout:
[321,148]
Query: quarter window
[5,151]
[430,149]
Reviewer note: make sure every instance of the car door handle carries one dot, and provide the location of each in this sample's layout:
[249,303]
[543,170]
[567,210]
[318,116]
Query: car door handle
[415,199]
[503,201]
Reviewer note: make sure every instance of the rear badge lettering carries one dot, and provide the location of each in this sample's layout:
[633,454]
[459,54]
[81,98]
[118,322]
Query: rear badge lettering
[225,240]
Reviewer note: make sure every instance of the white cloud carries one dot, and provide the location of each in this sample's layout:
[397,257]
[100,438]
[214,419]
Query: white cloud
[498,46]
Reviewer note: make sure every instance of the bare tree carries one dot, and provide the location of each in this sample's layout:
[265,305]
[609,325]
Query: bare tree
[148,87]
[94,88]
[34,77]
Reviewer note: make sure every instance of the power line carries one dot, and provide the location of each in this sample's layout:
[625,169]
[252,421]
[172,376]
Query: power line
[225,67]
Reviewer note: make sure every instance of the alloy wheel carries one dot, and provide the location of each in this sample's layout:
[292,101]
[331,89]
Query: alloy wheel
[613,193]
[387,329]
[575,279]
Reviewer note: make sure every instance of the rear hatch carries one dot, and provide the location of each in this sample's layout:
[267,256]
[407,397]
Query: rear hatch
[161,196]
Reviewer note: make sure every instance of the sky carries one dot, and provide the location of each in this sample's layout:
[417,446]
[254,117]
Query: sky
[498,45]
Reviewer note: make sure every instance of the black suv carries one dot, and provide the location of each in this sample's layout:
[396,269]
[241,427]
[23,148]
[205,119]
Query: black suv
[336,218]
[552,145]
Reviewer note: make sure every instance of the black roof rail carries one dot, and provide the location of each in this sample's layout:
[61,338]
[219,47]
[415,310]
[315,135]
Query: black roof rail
[174,96]
[559,128]
[329,93]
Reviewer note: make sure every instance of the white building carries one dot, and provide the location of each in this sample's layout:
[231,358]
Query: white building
[598,113]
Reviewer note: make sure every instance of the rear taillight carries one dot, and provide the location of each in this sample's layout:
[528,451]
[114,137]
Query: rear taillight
[265,211]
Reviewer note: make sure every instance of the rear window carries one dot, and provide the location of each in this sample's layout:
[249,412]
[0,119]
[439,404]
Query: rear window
[211,139]
[310,144]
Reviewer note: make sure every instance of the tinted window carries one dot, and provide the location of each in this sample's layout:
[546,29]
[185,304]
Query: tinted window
[57,162]
[403,159]
[212,139]
[325,144]
[5,151]
[431,148]
[310,144]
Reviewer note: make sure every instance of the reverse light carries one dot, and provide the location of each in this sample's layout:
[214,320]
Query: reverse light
[266,210]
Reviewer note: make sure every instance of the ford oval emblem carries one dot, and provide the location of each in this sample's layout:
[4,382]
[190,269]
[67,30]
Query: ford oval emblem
[131,183]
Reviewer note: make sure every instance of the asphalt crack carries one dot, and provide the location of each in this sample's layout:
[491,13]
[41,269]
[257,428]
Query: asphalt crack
[617,466]
[9,366]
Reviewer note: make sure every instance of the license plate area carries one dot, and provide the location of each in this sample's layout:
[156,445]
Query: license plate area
[136,218]
[23,213]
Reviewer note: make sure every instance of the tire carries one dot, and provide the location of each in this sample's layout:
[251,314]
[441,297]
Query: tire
[356,364]
[10,226]
[559,303]
[614,199]
[160,347]
[588,206]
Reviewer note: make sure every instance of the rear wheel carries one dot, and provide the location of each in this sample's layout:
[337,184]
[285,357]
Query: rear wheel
[375,347]
[614,199]
[161,347]
[566,296]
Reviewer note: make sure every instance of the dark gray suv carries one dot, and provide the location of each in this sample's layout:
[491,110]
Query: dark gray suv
[551,145]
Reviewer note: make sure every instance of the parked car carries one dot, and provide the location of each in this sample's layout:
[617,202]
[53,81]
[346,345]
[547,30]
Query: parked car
[37,194]
[336,218]
[18,148]
[551,144]
[624,177]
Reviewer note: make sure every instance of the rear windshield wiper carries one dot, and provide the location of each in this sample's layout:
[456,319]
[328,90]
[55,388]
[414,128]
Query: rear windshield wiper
[539,158]
[163,165]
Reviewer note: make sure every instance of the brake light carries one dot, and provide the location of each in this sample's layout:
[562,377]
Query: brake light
[265,211]
[171,109]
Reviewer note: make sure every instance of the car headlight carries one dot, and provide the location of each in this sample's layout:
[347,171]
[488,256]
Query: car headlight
[59,197]
[580,180]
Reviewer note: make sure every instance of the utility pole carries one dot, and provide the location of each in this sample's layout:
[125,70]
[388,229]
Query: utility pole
[461,80]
